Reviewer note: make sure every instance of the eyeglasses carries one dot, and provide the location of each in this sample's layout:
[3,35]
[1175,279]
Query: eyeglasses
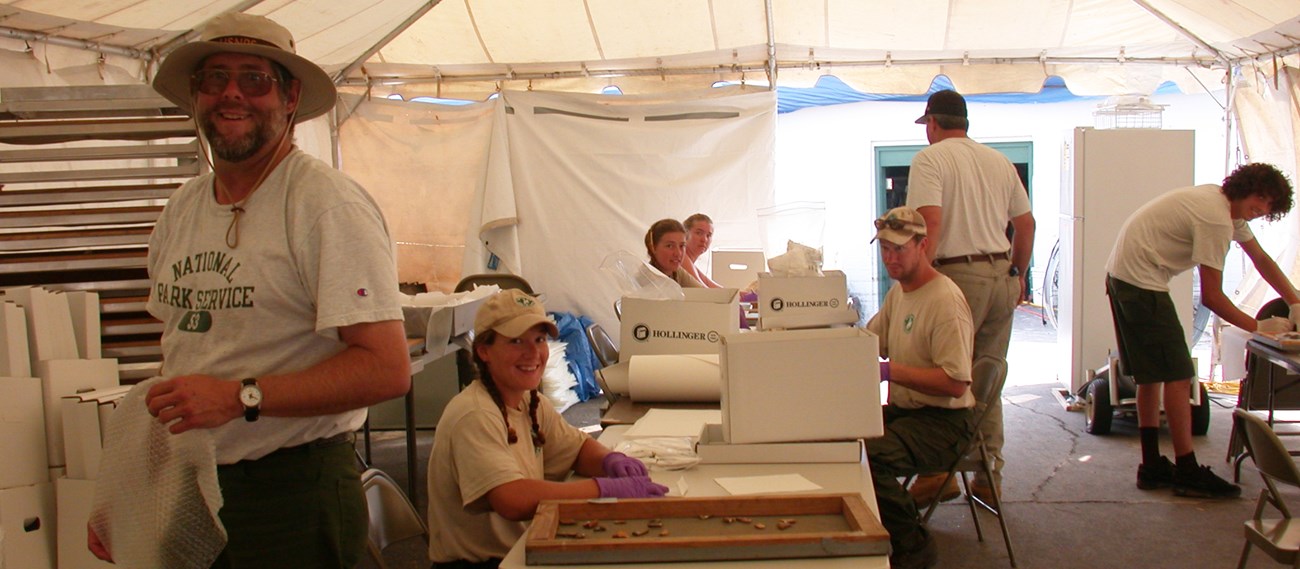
[894,223]
[215,81]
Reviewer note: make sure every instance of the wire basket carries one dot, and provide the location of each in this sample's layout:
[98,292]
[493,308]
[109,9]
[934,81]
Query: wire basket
[1128,112]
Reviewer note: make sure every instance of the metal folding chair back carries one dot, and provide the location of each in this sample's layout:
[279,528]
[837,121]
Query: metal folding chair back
[503,280]
[1278,537]
[392,516]
[989,374]
[606,353]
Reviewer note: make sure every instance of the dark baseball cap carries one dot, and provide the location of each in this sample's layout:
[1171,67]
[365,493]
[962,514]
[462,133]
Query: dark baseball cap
[945,102]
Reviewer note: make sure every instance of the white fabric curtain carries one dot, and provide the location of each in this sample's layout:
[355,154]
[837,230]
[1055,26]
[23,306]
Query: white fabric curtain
[1268,109]
[586,175]
[424,165]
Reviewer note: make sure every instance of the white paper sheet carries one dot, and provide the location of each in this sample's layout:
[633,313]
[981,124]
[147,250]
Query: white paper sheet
[741,485]
[673,423]
[677,377]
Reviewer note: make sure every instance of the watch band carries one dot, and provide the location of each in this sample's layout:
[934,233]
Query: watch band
[251,412]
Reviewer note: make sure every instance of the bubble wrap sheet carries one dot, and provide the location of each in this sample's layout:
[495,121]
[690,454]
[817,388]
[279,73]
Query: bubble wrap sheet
[157,497]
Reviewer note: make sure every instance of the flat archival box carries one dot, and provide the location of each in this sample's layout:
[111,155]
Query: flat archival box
[703,529]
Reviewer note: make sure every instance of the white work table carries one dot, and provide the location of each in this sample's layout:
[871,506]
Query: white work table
[832,477]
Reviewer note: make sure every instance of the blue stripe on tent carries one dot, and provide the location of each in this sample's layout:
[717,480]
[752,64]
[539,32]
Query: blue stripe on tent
[829,90]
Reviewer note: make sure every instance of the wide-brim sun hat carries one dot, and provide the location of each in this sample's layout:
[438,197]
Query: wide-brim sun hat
[236,32]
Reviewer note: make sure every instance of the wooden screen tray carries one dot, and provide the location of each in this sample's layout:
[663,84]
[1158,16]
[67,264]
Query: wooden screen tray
[1285,341]
[703,529]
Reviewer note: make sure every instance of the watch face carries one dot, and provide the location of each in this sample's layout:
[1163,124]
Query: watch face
[250,396]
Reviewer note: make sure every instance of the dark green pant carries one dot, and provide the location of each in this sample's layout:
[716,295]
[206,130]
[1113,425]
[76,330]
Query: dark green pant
[916,441]
[300,507]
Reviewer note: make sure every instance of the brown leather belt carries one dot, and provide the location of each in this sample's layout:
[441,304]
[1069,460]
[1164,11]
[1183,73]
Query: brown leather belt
[981,258]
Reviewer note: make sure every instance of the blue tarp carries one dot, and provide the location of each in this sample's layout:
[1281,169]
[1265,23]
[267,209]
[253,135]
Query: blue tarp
[581,357]
[829,90]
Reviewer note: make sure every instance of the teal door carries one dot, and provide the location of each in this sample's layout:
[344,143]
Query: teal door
[892,163]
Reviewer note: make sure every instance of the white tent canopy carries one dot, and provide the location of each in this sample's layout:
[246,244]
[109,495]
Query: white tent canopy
[470,48]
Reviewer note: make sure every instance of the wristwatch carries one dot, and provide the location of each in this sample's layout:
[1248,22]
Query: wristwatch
[250,395]
[1015,271]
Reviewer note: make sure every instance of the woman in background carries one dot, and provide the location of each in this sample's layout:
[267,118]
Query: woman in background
[665,242]
[699,235]
[501,448]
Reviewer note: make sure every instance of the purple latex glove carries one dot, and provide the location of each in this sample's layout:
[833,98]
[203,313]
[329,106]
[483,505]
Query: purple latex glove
[619,465]
[884,371]
[630,487]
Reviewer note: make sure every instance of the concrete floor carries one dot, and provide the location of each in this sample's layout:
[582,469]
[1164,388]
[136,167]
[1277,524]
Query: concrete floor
[1071,500]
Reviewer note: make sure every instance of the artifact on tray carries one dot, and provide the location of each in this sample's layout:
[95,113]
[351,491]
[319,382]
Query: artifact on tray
[697,529]
[1285,341]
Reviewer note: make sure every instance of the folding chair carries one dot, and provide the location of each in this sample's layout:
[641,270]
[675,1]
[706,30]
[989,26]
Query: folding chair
[1276,537]
[392,517]
[606,353]
[989,374]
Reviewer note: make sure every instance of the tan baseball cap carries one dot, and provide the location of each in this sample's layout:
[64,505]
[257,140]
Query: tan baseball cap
[899,225]
[512,312]
[236,32]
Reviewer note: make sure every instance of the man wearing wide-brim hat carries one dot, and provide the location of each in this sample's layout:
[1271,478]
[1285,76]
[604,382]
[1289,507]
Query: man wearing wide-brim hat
[275,280]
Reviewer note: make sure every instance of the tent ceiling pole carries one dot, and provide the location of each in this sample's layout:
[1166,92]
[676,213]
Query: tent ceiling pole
[189,36]
[76,43]
[419,13]
[1228,114]
[771,47]
[826,66]
[1181,30]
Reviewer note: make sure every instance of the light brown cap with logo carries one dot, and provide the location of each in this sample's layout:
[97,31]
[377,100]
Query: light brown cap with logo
[512,312]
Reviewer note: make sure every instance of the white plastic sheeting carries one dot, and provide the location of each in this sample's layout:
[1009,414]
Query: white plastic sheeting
[585,176]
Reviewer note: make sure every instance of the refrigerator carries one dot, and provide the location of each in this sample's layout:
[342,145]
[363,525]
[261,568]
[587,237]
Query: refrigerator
[1106,175]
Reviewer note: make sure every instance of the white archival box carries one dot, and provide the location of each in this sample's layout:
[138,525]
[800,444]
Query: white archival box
[74,499]
[27,523]
[85,421]
[737,269]
[22,433]
[801,385]
[67,377]
[691,326]
[714,450]
[804,302]
[83,306]
[15,359]
[49,323]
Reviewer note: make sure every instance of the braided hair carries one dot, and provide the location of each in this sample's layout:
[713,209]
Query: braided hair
[486,339]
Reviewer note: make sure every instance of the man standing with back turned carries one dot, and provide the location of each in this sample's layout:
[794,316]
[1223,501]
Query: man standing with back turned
[279,348]
[968,193]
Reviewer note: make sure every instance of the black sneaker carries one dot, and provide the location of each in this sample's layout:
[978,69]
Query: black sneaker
[1202,483]
[1159,474]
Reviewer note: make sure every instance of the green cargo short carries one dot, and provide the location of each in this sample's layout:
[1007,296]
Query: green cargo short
[1152,344]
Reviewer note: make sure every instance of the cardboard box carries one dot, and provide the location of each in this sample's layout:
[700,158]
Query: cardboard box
[60,378]
[737,269]
[435,316]
[49,323]
[15,358]
[83,306]
[801,385]
[75,499]
[85,421]
[714,450]
[27,520]
[691,326]
[804,302]
[22,433]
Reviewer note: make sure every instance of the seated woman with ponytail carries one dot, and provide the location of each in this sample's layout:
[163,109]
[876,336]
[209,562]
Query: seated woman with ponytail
[500,447]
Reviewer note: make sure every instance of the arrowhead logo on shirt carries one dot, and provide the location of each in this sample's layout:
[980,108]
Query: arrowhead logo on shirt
[908,322]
